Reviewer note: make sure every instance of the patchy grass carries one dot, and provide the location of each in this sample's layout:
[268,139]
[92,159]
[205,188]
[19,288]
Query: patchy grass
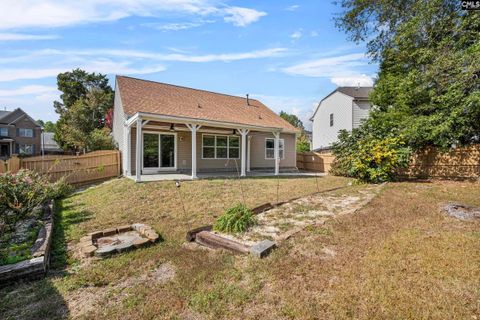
[398,257]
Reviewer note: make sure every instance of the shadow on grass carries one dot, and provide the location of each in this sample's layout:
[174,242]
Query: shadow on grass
[65,218]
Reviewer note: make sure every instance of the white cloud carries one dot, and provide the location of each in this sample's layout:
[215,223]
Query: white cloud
[175,26]
[313,33]
[354,80]
[241,17]
[24,36]
[16,14]
[342,70]
[296,35]
[292,7]
[27,90]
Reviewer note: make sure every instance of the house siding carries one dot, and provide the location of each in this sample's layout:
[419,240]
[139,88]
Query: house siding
[257,160]
[118,128]
[18,119]
[341,106]
[361,110]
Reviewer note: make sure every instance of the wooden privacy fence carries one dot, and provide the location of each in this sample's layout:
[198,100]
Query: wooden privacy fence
[80,169]
[458,163]
[314,161]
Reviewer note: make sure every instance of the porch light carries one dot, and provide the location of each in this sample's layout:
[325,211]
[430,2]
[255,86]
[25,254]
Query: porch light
[172,127]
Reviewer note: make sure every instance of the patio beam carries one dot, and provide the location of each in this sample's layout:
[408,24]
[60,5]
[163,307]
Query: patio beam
[138,151]
[194,128]
[276,152]
[243,132]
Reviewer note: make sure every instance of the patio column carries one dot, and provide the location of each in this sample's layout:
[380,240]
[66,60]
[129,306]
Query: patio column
[244,133]
[194,128]
[248,153]
[138,151]
[276,152]
[128,152]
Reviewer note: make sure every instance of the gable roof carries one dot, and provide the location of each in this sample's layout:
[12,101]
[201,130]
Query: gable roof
[10,117]
[146,96]
[4,113]
[357,93]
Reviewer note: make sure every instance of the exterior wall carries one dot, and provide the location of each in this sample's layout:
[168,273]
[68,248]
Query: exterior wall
[18,119]
[257,151]
[341,106]
[361,110]
[257,160]
[118,129]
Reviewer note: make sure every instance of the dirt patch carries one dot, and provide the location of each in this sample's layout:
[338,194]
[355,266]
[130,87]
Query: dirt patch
[461,211]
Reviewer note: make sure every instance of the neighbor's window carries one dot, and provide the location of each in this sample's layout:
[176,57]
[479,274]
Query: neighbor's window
[331,119]
[4,132]
[220,147]
[22,132]
[270,148]
[25,149]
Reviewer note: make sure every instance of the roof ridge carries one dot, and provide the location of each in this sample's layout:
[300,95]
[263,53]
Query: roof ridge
[190,88]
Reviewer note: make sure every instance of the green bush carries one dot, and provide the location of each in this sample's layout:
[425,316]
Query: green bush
[369,158]
[22,192]
[235,220]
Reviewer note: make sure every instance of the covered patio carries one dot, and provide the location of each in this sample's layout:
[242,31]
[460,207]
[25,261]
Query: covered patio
[174,148]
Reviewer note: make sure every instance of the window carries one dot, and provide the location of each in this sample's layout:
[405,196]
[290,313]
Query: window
[4,132]
[220,147]
[270,148]
[26,149]
[25,132]
[331,119]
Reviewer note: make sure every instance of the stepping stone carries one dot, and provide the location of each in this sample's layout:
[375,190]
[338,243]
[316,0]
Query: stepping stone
[262,249]
[140,242]
[88,251]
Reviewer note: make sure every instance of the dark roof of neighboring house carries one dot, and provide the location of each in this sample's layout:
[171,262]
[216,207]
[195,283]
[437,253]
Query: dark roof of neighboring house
[139,95]
[3,113]
[9,117]
[359,93]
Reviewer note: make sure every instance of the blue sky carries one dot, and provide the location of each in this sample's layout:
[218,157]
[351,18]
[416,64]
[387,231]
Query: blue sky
[286,53]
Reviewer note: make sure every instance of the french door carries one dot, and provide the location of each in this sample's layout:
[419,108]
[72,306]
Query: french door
[159,151]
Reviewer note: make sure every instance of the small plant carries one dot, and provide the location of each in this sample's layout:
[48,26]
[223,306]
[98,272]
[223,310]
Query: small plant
[235,220]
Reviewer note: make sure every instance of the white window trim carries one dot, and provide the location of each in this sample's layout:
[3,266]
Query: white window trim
[158,169]
[215,146]
[283,143]
[25,145]
[25,130]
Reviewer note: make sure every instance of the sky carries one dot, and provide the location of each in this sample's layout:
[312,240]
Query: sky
[288,54]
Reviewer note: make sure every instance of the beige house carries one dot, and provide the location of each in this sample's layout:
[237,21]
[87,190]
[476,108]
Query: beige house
[163,128]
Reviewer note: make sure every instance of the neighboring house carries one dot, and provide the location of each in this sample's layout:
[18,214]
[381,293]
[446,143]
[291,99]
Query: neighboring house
[344,108]
[158,127]
[49,145]
[19,134]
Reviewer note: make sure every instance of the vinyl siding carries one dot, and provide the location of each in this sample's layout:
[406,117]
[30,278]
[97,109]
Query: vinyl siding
[361,110]
[257,161]
[341,106]
[118,129]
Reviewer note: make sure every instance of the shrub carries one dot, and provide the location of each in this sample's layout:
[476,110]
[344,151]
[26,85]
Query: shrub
[235,220]
[369,158]
[22,192]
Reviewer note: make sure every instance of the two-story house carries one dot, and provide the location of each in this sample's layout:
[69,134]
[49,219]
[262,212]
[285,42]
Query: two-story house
[19,134]
[344,108]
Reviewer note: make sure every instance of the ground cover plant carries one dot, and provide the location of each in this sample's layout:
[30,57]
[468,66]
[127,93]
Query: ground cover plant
[235,220]
[21,197]
[398,257]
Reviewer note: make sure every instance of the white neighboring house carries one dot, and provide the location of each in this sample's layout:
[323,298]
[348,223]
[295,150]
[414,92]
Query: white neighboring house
[344,108]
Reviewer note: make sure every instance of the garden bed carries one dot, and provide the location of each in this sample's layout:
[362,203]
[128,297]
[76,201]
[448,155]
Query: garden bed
[30,260]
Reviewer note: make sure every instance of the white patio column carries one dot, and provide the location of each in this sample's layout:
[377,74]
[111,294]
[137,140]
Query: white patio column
[128,151]
[244,133]
[194,128]
[249,153]
[277,152]
[138,151]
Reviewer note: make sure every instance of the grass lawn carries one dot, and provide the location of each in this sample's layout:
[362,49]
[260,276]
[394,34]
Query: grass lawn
[397,258]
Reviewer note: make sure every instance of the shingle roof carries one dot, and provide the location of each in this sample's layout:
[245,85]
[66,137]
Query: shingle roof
[356,92]
[3,113]
[160,98]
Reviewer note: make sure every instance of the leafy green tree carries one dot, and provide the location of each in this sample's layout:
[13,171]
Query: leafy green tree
[429,56]
[48,126]
[303,144]
[86,100]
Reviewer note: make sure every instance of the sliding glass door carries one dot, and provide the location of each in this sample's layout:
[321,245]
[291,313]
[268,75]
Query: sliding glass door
[159,151]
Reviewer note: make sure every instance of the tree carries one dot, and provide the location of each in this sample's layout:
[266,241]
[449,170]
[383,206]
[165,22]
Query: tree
[429,57]
[86,101]
[48,126]
[303,143]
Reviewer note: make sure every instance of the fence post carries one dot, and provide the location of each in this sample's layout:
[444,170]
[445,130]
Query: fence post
[14,164]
